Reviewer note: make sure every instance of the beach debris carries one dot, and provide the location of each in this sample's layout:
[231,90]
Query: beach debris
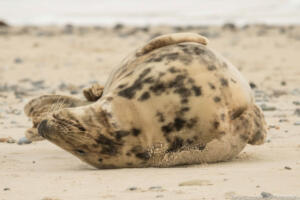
[266,195]
[195,183]
[7,140]
[287,168]
[265,107]
[24,140]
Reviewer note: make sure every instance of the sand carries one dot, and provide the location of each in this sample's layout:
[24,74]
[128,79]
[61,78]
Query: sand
[63,60]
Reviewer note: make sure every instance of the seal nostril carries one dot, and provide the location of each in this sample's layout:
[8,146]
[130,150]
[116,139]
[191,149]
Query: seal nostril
[42,128]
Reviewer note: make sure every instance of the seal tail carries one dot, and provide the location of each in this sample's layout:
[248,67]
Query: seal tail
[251,125]
[170,39]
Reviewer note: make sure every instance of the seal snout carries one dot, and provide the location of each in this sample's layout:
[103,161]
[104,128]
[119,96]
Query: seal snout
[43,128]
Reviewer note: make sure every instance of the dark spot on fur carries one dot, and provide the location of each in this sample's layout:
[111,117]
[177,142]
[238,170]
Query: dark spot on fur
[201,147]
[211,67]
[144,96]
[237,113]
[109,146]
[136,131]
[217,99]
[216,124]
[81,152]
[244,137]
[197,90]
[257,136]
[167,128]
[191,122]
[179,123]
[198,51]
[120,134]
[224,82]
[222,116]
[183,92]
[212,86]
[160,117]
[122,86]
[176,144]
[173,70]
[158,88]
[143,155]
[184,109]
[129,92]
[109,98]
[184,101]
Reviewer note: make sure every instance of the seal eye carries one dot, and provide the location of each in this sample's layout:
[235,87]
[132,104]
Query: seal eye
[80,151]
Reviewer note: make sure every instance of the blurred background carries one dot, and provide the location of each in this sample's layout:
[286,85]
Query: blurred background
[154,12]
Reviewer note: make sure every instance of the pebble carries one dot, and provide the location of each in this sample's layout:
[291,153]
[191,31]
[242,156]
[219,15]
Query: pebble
[132,188]
[24,140]
[18,60]
[283,83]
[6,189]
[264,107]
[297,103]
[266,195]
[252,85]
[287,167]
[297,112]
[297,123]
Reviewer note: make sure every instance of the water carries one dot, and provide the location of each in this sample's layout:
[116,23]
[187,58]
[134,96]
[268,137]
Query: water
[149,12]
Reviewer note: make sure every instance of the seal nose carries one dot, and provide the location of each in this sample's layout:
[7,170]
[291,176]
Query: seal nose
[43,128]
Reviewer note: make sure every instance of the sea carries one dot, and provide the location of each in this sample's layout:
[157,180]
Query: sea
[149,12]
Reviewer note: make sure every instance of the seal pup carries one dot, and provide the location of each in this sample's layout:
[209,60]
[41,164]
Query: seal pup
[172,102]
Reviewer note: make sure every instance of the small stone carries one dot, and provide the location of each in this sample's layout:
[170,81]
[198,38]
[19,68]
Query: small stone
[6,189]
[287,168]
[297,112]
[159,196]
[283,83]
[24,140]
[297,103]
[264,107]
[118,26]
[18,60]
[257,186]
[266,195]
[297,123]
[132,188]
[252,85]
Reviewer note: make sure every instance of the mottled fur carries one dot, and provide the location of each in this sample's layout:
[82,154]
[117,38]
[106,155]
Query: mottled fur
[172,102]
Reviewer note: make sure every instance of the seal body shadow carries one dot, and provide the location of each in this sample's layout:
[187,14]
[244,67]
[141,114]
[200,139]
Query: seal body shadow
[172,102]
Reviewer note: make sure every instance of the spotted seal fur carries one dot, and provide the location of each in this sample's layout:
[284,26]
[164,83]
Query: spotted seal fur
[172,102]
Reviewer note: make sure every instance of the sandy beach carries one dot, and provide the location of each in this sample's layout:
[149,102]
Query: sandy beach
[37,60]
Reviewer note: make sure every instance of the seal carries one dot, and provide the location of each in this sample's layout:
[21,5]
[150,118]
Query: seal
[173,101]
